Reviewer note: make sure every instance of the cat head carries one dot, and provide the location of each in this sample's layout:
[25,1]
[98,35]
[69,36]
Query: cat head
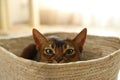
[58,50]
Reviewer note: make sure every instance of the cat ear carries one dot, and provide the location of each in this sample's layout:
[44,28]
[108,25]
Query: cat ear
[80,38]
[39,38]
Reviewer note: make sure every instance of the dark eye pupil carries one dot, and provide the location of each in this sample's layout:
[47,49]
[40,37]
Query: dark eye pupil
[69,51]
[49,51]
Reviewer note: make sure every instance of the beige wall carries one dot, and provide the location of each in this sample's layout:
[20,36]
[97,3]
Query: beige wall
[82,12]
[18,10]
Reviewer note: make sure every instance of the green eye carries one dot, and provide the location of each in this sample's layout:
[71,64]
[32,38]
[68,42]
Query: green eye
[69,51]
[49,51]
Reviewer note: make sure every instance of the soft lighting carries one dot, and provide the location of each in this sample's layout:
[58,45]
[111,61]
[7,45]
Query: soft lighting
[100,10]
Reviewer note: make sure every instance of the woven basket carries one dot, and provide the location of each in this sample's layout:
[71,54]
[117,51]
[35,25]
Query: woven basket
[101,55]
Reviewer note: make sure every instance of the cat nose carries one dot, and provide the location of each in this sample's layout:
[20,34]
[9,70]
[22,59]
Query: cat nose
[58,59]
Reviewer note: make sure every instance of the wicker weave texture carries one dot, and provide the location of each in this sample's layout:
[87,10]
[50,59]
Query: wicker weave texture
[102,55]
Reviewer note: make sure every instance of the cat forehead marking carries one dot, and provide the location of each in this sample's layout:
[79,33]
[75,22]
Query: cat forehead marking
[59,42]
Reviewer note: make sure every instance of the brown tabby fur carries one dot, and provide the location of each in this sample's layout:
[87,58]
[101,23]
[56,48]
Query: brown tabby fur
[54,49]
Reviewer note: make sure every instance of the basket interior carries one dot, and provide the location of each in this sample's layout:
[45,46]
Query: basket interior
[95,46]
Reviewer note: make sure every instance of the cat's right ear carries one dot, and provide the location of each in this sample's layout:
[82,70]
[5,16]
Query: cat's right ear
[81,37]
[39,38]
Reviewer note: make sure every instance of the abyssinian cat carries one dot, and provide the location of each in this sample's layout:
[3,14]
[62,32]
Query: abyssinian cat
[55,49]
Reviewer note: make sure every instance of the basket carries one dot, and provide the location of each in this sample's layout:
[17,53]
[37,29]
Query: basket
[101,61]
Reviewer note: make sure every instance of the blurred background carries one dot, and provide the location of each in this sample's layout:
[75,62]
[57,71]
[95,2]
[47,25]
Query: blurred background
[19,17]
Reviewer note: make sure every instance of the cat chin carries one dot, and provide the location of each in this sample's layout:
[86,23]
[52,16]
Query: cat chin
[57,61]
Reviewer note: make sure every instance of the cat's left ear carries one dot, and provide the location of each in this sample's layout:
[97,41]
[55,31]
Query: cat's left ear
[39,38]
[80,38]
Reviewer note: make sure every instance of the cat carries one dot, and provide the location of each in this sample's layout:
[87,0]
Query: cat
[54,49]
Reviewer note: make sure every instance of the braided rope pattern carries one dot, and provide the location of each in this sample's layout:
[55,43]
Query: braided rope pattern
[102,55]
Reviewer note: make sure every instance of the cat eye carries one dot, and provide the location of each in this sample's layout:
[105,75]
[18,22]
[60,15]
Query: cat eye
[69,51]
[49,51]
